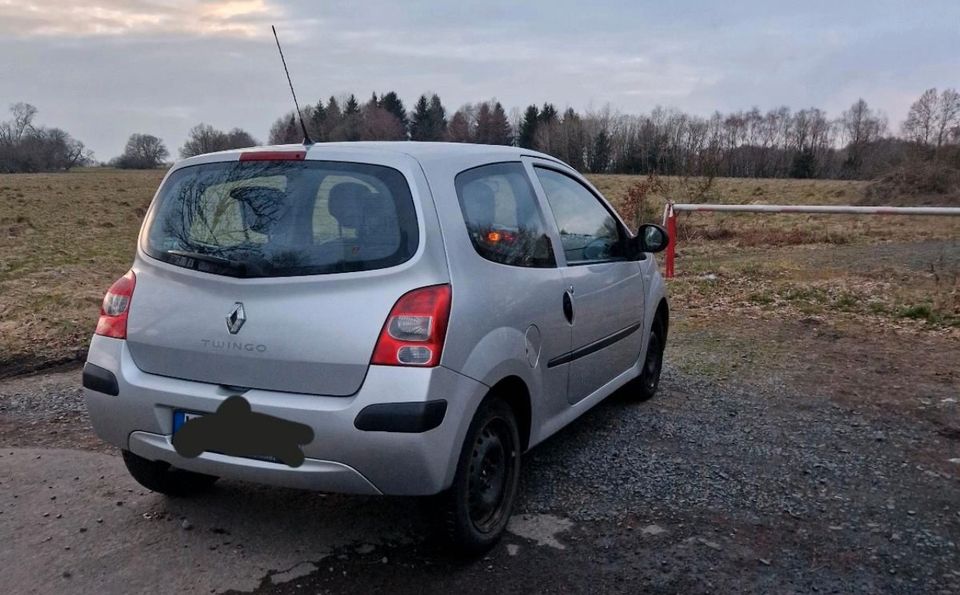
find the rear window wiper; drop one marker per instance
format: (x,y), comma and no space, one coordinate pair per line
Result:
(210,258)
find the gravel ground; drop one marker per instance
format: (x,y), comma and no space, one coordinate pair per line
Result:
(46,410)
(710,487)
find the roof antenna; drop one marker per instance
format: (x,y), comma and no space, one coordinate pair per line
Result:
(306,136)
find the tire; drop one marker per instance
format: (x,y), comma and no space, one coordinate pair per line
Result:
(646,385)
(478,505)
(159,476)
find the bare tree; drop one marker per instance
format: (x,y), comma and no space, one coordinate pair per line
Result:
(947,118)
(23,114)
(286,130)
(25,147)
(204,138)
(143,151)
(239,138)
(861,127)
(921,119)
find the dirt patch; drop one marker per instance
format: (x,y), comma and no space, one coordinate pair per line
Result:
(46,410)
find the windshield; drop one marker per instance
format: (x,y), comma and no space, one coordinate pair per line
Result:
(283,218)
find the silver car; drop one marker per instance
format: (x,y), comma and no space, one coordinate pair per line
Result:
(372,318)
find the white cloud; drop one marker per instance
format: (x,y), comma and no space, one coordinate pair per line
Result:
(86,18)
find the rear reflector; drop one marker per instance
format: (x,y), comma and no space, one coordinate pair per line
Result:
(273,156)
(116,307)
(414,331)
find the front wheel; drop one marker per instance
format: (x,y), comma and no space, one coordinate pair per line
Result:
(648,382)
(478,505)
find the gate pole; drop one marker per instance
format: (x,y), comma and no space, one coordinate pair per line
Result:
(670,219)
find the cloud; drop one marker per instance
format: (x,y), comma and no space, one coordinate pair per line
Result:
(117,18)
(103,69)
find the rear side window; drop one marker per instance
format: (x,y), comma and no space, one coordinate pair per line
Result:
(283,218)
(502,217)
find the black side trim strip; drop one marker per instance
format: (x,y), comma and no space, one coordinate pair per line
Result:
(407,418)
(100,380)
(594,347)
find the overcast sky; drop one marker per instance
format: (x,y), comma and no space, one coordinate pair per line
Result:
(104,69)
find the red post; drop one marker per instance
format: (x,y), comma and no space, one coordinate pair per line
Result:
(672,243)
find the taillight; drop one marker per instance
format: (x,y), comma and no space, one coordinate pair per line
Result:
(414,331)
(115,307)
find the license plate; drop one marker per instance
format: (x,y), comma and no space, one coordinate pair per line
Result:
(182,417)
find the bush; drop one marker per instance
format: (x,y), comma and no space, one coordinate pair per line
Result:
(931,181)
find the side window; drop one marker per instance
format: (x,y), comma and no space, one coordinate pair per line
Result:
(588,232)
(500,210)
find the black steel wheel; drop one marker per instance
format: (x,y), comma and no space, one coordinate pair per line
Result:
(646,385)
(478,505)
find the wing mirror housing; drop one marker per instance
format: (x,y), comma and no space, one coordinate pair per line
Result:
(650,238)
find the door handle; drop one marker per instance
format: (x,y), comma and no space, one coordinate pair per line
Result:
(568,306)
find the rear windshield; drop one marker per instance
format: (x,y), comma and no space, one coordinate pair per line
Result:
(283,218)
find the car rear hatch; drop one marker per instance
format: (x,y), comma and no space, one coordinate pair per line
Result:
(274,274)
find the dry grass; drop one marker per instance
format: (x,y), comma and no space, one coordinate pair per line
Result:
(65,237)
(895,271)
(744,229)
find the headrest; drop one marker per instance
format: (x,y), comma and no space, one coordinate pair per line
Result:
(480,205)
(347,203)
(259,205)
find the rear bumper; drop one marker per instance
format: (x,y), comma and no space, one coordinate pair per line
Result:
(333,476)
(341,458)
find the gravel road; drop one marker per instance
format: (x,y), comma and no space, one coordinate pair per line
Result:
(710,487)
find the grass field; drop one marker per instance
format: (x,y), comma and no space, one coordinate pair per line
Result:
(896,271)
(65,237)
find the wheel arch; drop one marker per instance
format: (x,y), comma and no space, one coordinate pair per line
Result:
(663,315)
(515,392)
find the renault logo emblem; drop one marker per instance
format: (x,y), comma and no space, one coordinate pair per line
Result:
(236,318)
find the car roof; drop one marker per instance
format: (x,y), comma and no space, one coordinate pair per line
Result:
(421,151)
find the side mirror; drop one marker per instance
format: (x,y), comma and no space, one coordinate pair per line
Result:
(651,238)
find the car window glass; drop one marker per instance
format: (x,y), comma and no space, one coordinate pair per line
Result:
(503,220)
(283,218)
(588,232)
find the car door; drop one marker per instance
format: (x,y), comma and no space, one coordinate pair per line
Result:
(509,278)
(604,289)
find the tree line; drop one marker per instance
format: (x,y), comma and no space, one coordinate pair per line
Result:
(145,151)
(29,147)
(386,118)
(808,143)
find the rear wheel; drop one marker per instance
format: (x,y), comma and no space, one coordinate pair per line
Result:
(160,477)
(478,505)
